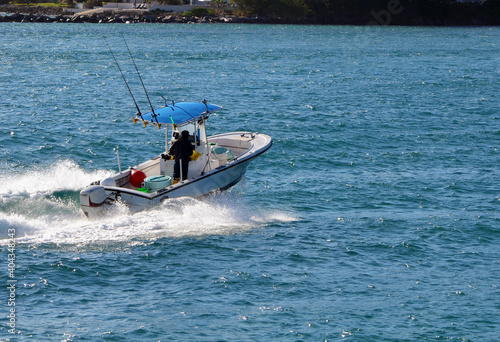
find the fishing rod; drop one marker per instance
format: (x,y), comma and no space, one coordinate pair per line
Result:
(153,114)
(128,87)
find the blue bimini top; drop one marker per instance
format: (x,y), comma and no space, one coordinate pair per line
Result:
(180,113)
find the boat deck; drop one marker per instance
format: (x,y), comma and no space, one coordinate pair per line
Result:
(238,143)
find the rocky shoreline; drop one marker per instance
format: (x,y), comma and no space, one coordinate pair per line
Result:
(14,13)
(33,14)
(59,14)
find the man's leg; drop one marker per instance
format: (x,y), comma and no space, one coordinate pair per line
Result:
(185,165)
(176,170)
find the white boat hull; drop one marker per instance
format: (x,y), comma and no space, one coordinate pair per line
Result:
(95,199)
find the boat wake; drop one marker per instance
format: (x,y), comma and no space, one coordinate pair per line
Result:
(47,211)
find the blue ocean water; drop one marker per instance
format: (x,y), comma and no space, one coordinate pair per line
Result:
(375,216)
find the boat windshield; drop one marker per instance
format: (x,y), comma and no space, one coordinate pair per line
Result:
(191,128)
(194,129)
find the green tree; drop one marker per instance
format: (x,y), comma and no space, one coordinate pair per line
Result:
(69,3)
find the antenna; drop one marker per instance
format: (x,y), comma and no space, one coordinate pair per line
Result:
(128,87)
(153,114)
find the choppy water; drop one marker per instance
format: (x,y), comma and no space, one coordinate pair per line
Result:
(374,217)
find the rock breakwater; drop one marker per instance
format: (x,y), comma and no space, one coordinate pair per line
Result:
(59,14)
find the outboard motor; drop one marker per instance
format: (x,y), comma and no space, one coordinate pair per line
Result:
(91,197)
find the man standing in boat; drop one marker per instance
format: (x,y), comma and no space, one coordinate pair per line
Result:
(182,150)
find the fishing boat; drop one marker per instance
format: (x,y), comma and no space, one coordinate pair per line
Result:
(217,163)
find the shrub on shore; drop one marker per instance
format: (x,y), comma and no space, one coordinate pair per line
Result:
(199,12)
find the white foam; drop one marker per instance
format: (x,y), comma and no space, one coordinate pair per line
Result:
(28,205)
(184,217)
(64,175)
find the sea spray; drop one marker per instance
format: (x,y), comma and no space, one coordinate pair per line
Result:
(41,214)
(63,175)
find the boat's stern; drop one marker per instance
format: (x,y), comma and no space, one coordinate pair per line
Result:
(92,199)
